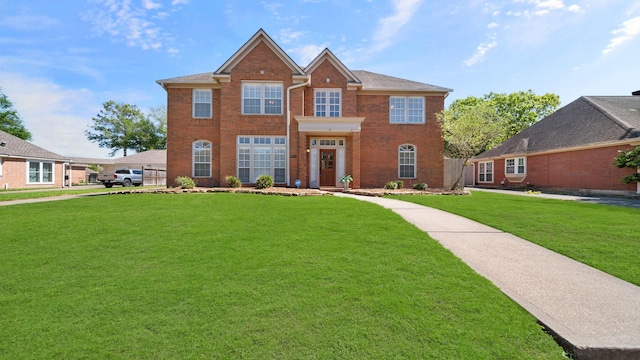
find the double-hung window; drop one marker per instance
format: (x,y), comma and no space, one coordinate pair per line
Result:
(261,155)
(201,159)
(327,102)
(202,103)
(40,172)
(406,161)
(485,171)
(261,98)
(406,110)
(515,166)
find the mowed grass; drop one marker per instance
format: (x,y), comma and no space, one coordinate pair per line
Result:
(240,276)
(603,236)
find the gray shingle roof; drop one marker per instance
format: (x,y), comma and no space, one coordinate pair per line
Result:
(203,78)
(589,120)
(373,81)
(145,157)
(16,147)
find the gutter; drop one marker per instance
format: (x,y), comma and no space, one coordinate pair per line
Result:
(287,148)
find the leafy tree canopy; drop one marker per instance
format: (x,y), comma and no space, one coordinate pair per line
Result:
(468,128)
(121,126)
(10,120)
(518,110)
(629,159)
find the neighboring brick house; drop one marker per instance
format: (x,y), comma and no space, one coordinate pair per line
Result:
(261,113)
(24,165)
(571,150)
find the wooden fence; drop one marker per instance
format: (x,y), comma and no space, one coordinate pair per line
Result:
(154,177)
(452,169)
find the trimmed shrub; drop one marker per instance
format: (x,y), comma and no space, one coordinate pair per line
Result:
(233,181)
(400,184)
(185,182)
(391,185)
(420,186)
(264,182)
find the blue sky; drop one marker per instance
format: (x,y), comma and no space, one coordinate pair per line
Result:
(60,60)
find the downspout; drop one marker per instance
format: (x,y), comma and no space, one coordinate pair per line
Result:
(287,151)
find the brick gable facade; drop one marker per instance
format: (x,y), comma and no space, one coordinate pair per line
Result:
(296,143)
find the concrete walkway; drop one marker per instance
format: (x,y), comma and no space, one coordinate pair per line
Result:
(595,315)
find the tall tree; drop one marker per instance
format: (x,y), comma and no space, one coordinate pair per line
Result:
(10,120)
(522,109)
(121,126)
(158,117)
(467,129)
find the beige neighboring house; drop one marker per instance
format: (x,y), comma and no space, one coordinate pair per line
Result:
(25,165)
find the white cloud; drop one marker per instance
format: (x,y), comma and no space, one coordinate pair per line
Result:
(150,5)
(627,31)
(391,25)
(493,25)
(123,21)
(286,36)
(179,2)
(574,8)
(550,4)
(481,52)
(305,54)
(56,116)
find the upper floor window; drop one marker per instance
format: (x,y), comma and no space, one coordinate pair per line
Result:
(201,159)
(406,110)
(485,171)
(406,161)
(40,172)
(516,166)
(327,102)
(261,98)
(201,103)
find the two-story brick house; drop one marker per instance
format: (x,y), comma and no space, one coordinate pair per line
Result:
(261,113)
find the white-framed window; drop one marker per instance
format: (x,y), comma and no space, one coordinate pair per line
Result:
(40,172)
(202,103)
(485,171)
(406,110)
(261,155)
(328,102)
(406,161)
(261,98)
(1,166)
(201,159)
(515,166)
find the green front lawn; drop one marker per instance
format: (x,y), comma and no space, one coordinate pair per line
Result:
(602,236)
(152,276)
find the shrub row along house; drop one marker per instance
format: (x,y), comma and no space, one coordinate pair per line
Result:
(572,149)
(261,113)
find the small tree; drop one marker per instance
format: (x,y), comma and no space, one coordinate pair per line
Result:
(10,121)
(629,159)
(468,129)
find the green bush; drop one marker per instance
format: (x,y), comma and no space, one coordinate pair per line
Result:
(391,185)
(185,182)
(264,182)
(420,186)
(233,181)
(400,184)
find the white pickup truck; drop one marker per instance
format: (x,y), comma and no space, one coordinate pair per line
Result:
(124,177)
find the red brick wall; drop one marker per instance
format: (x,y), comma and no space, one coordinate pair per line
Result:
(380,141)
(589,169)
(372,156)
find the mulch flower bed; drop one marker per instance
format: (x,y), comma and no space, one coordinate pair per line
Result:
(283,191)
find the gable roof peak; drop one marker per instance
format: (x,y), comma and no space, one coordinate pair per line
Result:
(326,54)
(260,36)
